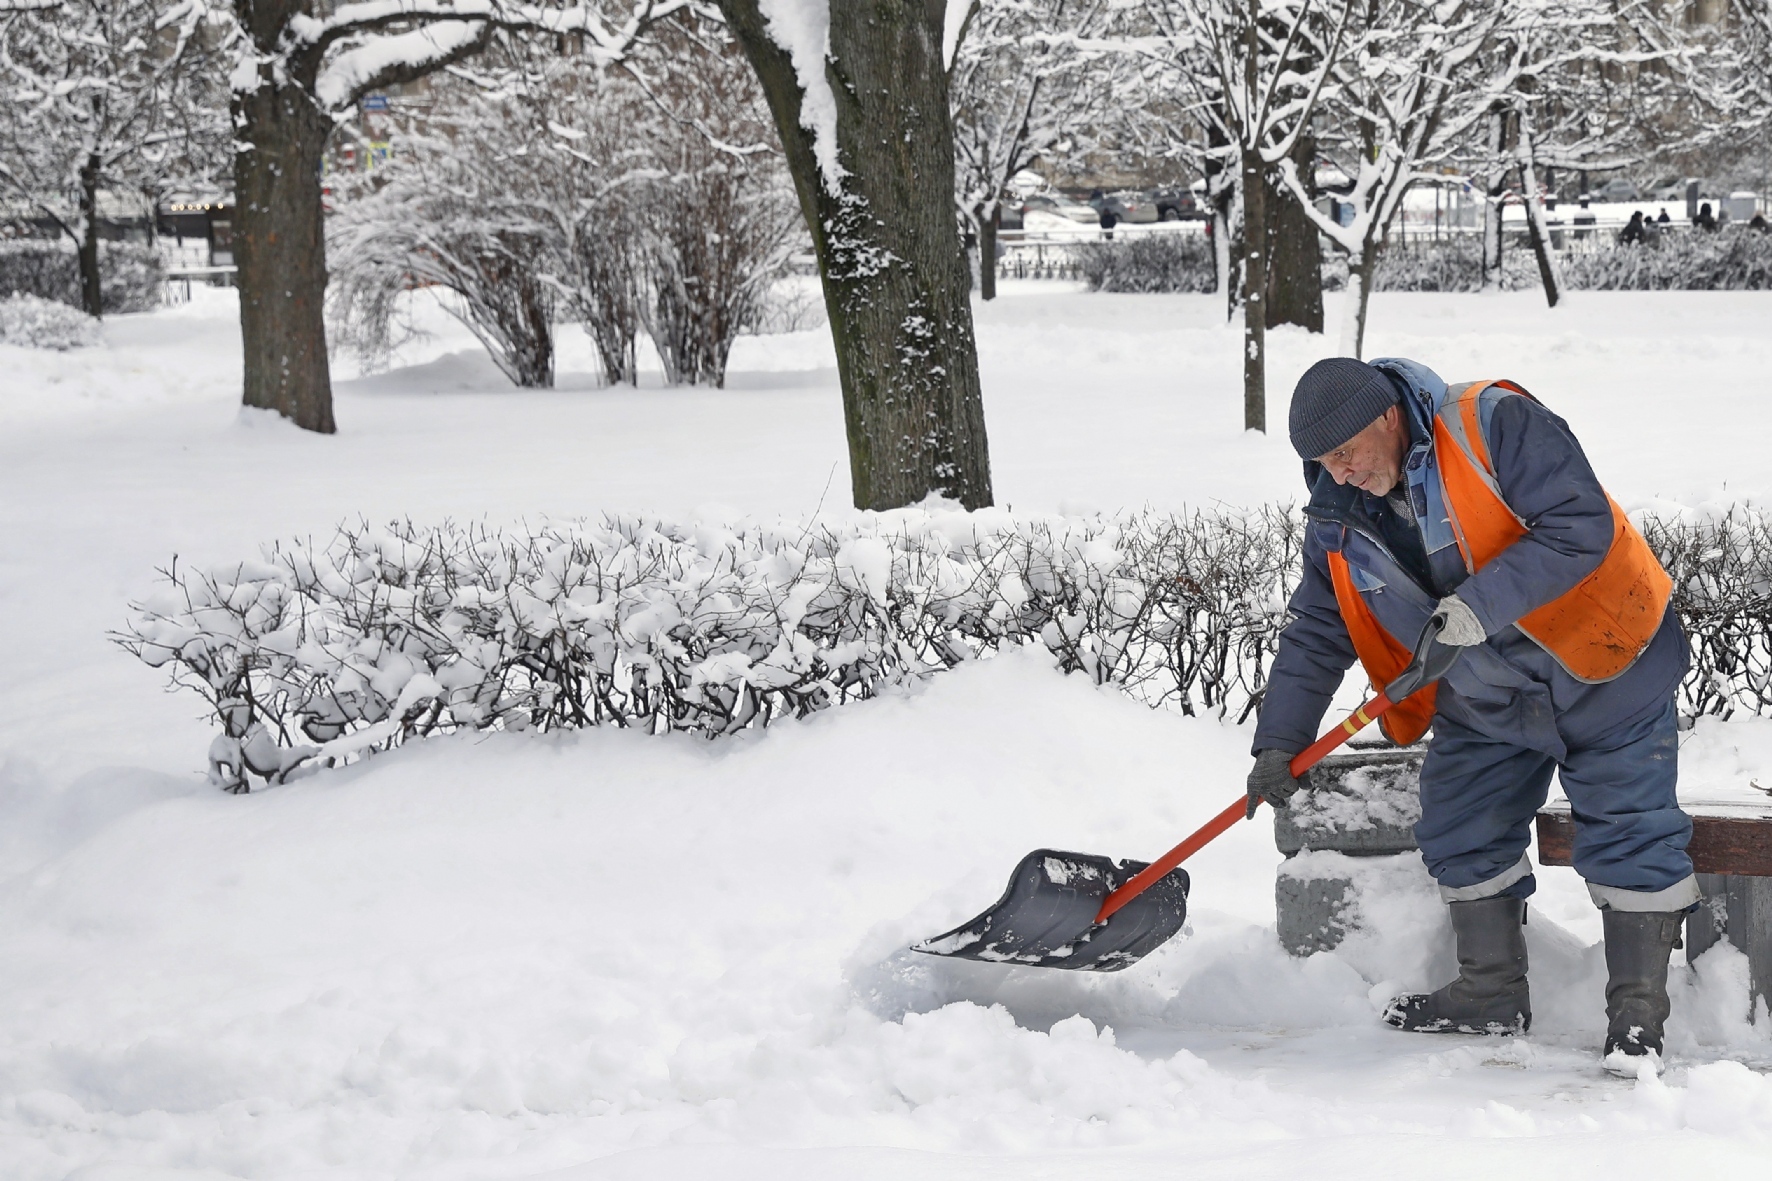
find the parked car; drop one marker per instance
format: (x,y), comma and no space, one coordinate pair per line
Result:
(1133,207)
(1616,190)
(1176,205)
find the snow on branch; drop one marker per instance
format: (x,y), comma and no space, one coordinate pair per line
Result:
(383,61)
(359,47)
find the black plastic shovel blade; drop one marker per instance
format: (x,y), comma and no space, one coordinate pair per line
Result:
(1046,918)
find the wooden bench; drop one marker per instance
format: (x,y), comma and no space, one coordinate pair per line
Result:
(1732,853)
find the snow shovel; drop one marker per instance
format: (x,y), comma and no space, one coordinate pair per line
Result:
(1083,912)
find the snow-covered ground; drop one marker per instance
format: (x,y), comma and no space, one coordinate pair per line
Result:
(597,955)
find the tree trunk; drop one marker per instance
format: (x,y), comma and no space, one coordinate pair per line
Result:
(1254,284)
(1492,196)
(987,254)
(1359,298)
(280,248)
(1221,196)
(895,279)
(1295,253)
(1535,227)
(91,282)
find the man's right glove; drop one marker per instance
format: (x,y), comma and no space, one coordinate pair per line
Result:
(1271,780)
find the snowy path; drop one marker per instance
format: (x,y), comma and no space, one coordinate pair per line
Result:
(442,964)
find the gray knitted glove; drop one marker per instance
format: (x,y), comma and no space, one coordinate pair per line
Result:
(1271,780)
(1461,628)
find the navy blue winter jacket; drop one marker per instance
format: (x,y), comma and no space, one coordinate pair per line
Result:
(1507,688)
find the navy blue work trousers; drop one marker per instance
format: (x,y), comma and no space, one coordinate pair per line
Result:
(1478,798)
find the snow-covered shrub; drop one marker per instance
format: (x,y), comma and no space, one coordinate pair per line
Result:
(457,211)
(131,274)
(1447,264)
(616,199)
(1147,263)
(716,225)
(1734,259)
(35,323)
(314,655)
(1722,574)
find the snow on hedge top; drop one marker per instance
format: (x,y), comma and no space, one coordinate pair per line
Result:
(803,29)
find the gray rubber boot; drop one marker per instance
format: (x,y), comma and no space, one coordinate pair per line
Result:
(1490,994)
(1638,944)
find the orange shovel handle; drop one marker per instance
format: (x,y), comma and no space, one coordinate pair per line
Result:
(1302,762)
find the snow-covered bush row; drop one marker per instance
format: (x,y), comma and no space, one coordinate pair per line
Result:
(35,323)
(314,654)
(1149,263)
(1735,259)
(1453,264)
(49,269)
(1732,260)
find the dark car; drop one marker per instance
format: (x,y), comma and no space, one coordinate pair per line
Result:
(1175,204)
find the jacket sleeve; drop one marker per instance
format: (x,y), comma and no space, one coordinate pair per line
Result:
(1315,652)
(1546,480)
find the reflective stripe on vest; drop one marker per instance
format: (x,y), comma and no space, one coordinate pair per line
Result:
(1595,630)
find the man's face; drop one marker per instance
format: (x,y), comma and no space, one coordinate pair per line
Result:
(1373,459)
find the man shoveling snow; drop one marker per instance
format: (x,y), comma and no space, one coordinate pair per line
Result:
(1475,505)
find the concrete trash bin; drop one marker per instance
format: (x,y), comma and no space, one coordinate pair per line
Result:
(1360,802)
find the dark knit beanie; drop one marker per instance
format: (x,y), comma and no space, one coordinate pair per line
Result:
(1334,401)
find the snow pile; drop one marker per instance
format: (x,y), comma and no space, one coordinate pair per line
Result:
(35,323)
(390,634)
(1386,795)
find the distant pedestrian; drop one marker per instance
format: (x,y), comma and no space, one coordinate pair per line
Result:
(1664,219)
(1633,232)
(1108,220)
(1757,223)
(1705,220)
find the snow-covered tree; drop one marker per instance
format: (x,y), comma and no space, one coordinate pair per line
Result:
(538,186)
(1025,86)
(113,94)
(304,64)
(1588,86)
(1407,91)
(859,94)
(1253,73)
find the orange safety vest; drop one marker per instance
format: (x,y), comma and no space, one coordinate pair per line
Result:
(1595,630)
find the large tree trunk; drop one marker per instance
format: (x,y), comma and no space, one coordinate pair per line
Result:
(279,242)
(1295,253)
(1254,284)
(987,254)
(895,278)
(91,282)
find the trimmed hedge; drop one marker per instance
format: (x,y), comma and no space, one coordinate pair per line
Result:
(315,655)
(130,274)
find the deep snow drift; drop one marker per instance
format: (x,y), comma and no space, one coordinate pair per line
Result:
(599,955)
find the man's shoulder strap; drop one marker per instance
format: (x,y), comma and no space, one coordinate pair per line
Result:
(1465,412)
